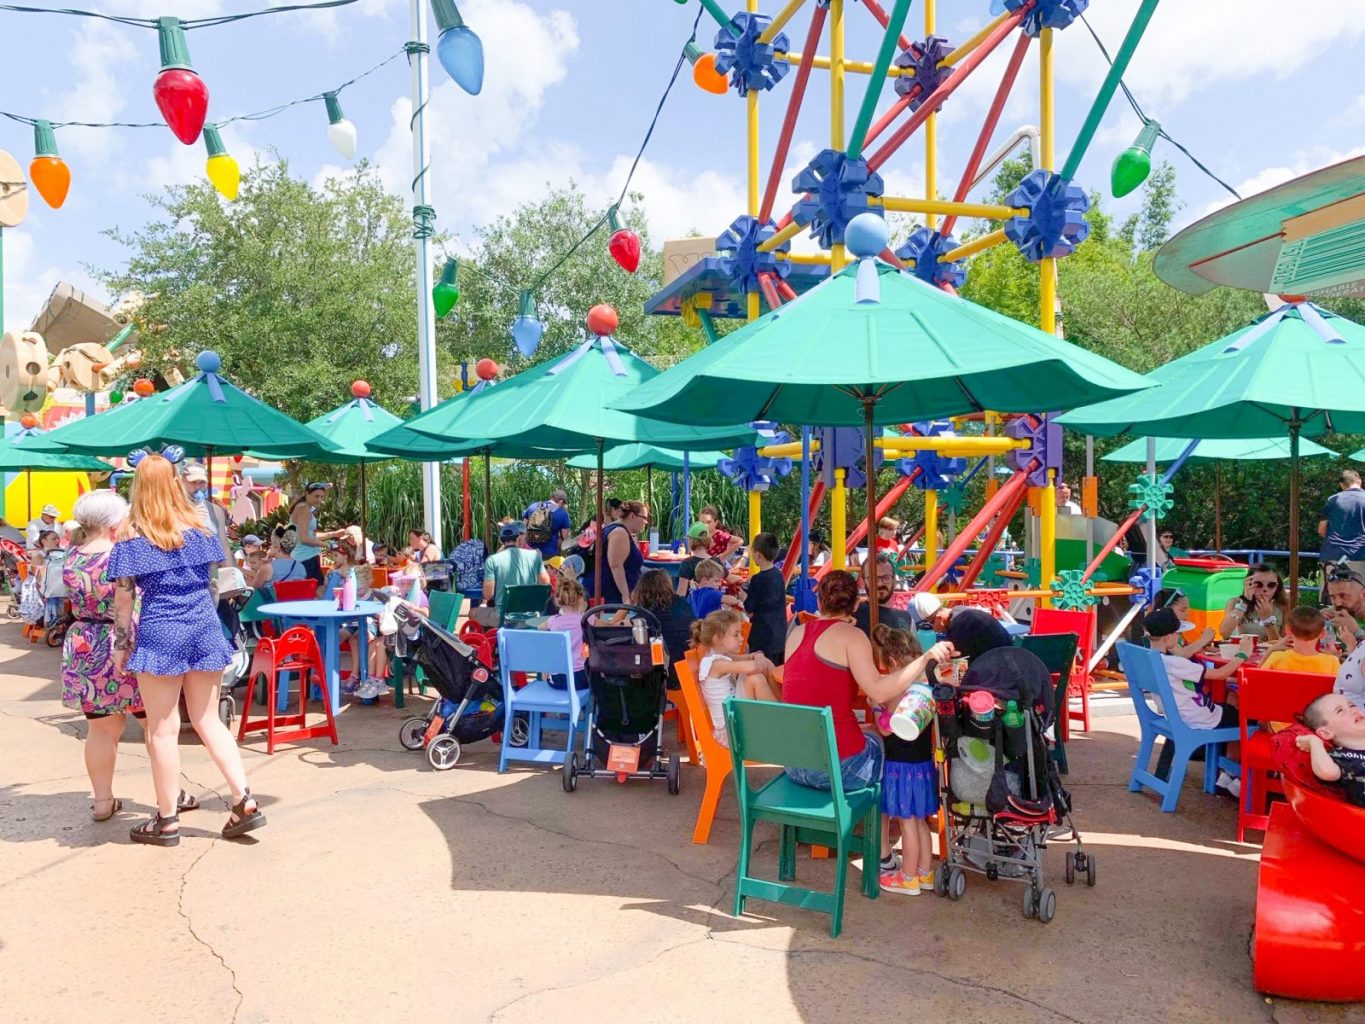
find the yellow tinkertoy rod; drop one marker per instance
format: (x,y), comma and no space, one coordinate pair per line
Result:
(989,211)
(951,447)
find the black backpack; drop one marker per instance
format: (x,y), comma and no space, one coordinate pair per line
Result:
(540,525)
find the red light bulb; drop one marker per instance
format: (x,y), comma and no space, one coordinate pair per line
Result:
(625,249)
(180,94)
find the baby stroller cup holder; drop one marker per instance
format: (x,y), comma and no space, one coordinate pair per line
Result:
(461,681)
(627,679)
(1022,804)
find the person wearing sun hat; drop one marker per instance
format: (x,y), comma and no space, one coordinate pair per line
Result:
(46,522)
(698,546)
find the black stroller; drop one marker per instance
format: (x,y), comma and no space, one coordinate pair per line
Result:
(628,681)
(470,708)
(1001,792)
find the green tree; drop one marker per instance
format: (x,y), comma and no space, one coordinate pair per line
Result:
(301,290)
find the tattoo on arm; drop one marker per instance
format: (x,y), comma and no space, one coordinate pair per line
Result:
(122,640)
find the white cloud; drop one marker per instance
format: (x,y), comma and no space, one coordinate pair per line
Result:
(28,282)
(182,164)
(100,59)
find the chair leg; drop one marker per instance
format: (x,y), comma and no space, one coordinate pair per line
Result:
(1085,704)
(836,923)
(397,679)
(270,709)
(1180,764)
(872,851)
(246,708)
(746,837)
(786,855)
(331,716)
(1211,753)
(710,801)
(506,743)
(1143,759)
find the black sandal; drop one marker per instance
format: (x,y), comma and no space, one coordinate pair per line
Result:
(154,832)
(115,805)
(241,821)
(184,802)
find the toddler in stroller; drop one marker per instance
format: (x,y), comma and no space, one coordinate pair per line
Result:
(470,706)
(1002,790)
(627,678)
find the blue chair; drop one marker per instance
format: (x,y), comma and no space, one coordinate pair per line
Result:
(1147,677)
(544,653)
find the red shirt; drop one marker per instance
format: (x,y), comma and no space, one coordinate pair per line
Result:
(809,679)
(720,540)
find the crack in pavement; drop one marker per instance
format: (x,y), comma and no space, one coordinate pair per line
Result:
(189,925)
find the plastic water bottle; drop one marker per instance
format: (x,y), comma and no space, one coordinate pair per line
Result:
(1014,718)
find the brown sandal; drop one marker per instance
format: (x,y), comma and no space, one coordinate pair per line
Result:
(115,805)
(243,821)
(186,802)
(154,832)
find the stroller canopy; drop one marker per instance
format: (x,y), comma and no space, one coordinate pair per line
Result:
(974,632)
(1012,673)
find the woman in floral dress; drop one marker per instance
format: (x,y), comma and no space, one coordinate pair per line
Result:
(90,683)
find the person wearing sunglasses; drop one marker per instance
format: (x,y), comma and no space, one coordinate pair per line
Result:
(1260,610)
(1346,591)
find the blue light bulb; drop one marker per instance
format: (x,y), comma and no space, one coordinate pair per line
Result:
(526,332)
(461,54)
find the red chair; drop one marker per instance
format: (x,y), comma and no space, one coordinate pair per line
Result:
(295,652)
(1049,621)
(1268,695)
(471,632)
(296,590)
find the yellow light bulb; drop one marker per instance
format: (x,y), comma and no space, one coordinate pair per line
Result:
(225,175)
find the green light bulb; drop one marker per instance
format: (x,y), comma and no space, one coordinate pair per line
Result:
(447,290)
(1132,166)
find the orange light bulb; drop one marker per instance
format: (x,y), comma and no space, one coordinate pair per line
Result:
(48,171)
(706,76)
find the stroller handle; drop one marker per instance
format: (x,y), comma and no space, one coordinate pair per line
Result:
(629,609)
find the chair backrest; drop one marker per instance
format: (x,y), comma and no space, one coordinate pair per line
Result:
(697,712)
(536,651)
(1058,620)
(258,597)
(1055,650)
(379,577)
(1272,695)
(792,735)
(1146,675)
(295,646)
(295,590)
(525,600)
(445,609)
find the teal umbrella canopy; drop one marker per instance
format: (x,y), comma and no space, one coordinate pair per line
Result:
(348,429)
(18,456)
(918,351)
(566,404)
(1299,366)
(641,456)
(205,416)
(1168,449)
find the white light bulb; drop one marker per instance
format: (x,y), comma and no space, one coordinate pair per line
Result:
(342,135)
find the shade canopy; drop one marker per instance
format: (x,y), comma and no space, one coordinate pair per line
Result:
(1298,365)
(349,429)
(1168,449)
(566,405)
(17,456)
(919,351)
(640,456)
(204,416)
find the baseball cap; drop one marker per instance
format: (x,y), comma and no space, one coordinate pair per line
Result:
(51,510)
(252,539)
(194,471)
(1162,622)
(699,530)
(558,495)
(511,531)
(317,485)
(924,607)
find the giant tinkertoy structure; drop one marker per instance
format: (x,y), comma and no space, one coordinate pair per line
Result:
(754,268)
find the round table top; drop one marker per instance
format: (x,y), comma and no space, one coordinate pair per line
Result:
(323,609)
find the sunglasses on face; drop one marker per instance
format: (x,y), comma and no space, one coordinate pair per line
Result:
(1265,584)
(1176,595)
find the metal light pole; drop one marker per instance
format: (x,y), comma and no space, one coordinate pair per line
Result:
(422,224)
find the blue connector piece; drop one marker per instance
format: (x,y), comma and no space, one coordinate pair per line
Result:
(740,258)
(924,58)
(1047,14)
(749,63)
(1055,223)
(839,190)
(920,255)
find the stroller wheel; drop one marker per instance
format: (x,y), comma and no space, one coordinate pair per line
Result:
(227,710)
(520,733)
(412,733)
(1047,905)
(569,777)
(1091,870)
(12,609)
(444,753)
(56,634)
(674,775)
(941,880)
(1071,865)
(1030,901)
(957,883)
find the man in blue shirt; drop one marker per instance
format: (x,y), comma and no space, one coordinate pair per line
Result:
(1342,527)
(548,525)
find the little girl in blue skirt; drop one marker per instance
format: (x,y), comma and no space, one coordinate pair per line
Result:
(909,785)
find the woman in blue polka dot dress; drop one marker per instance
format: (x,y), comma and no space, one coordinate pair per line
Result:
(165,555)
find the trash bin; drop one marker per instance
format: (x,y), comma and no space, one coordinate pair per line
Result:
(1209,583)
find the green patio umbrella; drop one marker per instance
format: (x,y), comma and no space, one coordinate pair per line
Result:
(648,458)
(1168,449)
(17,457)
(205,416)
(875,345)
(1297,372)
(566,405)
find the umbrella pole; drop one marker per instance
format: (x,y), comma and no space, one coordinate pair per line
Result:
(600,548)
(1217,509)
(1294,427)
(649,489)
(488,500)
(364,559)
(870,470)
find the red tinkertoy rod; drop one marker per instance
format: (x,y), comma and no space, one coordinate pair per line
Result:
(784,139)
(993,505)
(793,560)
(892,112)
(1112,543)
(988,543)
(765,282)
(946,89)
(987,129)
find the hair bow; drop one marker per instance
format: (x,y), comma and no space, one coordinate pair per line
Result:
(172,453)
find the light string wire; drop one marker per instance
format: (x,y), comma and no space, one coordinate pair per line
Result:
(186,23)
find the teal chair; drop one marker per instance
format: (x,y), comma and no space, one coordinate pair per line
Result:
(797,736)
(523,602)
(445,611)
(1057,651)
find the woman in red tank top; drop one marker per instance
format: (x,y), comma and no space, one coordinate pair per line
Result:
(828,661)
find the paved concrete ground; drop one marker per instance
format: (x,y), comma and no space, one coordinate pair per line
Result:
(384,891)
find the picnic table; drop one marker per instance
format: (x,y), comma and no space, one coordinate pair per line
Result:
(326,620)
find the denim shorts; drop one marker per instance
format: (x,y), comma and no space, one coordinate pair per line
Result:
(858,770)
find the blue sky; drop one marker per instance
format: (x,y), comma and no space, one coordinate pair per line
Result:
(572,84)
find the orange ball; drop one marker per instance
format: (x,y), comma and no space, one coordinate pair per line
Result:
(486,369)
(142,387)
(360,389)
(28,421)
(603,320)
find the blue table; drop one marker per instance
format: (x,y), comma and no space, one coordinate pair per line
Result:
(326,620)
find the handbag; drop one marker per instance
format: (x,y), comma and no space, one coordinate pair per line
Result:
(388,618)
(231,582)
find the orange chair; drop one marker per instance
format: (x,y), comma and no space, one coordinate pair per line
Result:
(294,652)
(1047,621)
(1268,695)
(296,590)
(714,757)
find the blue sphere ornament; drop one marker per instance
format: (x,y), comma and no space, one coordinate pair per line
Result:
(208,361)
(461,54)
(866,235)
